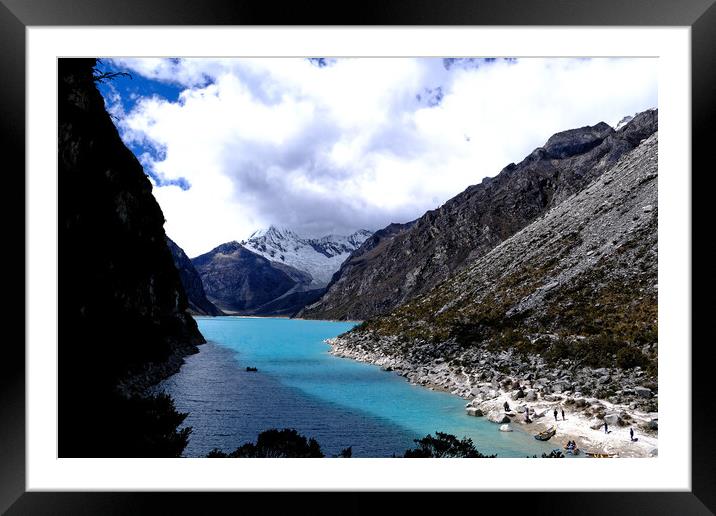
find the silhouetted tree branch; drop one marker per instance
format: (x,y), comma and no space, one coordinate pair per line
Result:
(100,76)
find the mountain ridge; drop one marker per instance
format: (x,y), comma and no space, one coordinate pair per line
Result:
(441,242)
(255,276)
(238,280)
(568,304)
(320,257)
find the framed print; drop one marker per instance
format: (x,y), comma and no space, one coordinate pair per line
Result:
(433,234)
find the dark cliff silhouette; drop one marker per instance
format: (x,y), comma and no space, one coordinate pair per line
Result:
(123,320)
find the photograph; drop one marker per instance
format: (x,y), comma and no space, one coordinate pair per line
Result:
(272,254)
(354,257)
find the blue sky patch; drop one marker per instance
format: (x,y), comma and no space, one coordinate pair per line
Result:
(127,91)
(133,88)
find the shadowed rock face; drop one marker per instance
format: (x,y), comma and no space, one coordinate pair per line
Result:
(190,279)
(288,304)
(240,281)
(123,320)
(576,141)
(357,267)
(410,261)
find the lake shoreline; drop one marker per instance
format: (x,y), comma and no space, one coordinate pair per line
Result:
(283,317)
(300,384)
(586,431)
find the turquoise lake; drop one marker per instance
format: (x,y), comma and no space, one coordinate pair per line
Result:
(339,402)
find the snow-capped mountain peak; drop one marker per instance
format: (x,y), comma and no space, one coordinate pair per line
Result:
(624,121)
(319,257)
(274,233)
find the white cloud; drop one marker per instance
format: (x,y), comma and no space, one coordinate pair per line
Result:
(347,146)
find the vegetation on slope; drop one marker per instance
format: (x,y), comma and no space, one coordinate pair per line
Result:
(578,284)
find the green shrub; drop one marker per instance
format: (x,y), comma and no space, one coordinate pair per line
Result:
(147,426)
(554,454)
(444,446)
(277,444)
(558,350)
(601,350)
(468,334)
(628,358)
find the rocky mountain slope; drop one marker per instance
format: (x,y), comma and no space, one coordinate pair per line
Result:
(319,257)
(123,320)
(242,282)
(191,281)
(288,304)
(411,261)
(567,306)
(353,275)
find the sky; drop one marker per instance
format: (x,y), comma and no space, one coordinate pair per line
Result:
(330,146)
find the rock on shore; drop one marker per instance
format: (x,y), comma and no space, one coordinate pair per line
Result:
(585,414)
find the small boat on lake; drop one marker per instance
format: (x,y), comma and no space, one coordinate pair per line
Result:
(251,369)
(547,434)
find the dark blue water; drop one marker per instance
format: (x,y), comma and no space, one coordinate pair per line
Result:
(339,402)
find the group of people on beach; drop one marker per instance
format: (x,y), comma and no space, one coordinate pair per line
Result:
(556,413)
(631,431)
(527,413)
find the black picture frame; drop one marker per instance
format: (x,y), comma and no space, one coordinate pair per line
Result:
(699,15)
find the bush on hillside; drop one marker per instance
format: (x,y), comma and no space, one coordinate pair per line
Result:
(444,446)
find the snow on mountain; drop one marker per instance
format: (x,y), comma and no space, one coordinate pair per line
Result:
(319,257)
(624,121)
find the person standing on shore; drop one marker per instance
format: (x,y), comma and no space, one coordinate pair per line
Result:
(631,434)
(562,413)
(555,414)
(507,407)
(605,427)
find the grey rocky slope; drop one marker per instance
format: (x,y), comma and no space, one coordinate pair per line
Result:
(566,305)
(240,281)
(191,281)
(353,271)
(443,241)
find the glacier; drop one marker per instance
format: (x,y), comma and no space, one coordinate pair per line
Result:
(320,257)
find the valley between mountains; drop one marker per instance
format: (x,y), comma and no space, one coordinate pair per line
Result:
(532,295)
(537,287)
